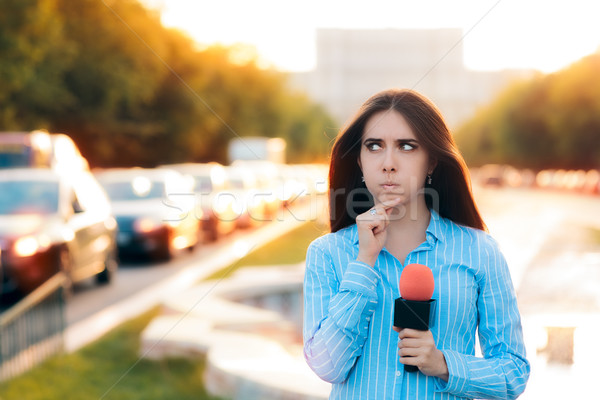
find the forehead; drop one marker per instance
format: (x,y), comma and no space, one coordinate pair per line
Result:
(389,125)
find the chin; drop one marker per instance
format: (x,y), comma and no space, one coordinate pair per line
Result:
(383,197)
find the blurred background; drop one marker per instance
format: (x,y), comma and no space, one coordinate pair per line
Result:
(144,140)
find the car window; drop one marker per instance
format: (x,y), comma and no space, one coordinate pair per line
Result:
(28,197)
(25,150)
(13,155)
(136,189)
(75,203)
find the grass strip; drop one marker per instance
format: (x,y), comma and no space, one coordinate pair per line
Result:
(287,249)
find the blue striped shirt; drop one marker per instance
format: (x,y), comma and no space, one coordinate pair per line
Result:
(348,312)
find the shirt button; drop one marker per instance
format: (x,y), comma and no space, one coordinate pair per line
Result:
(368,318)
(373,287)
(398,373)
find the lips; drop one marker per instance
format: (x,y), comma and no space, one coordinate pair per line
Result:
(390,186)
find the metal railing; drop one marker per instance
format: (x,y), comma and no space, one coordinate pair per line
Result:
(32,329)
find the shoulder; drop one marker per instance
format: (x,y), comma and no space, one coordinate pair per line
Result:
(455,231)
(474,243)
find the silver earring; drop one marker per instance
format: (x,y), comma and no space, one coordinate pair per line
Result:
(429,179)
(362,178)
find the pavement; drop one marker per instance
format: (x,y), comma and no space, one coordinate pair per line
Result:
(249,329)
(552,244)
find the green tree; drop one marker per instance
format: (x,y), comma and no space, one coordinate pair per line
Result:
(33,56)
(132,92)
(550,121)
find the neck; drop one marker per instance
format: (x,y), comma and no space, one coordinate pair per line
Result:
(413,218)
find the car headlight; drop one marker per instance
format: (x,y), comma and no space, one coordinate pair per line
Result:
(146,224)
(29,245)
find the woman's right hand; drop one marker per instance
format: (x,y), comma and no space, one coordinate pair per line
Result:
(372,226)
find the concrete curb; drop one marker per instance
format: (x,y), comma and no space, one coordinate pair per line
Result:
(246,358)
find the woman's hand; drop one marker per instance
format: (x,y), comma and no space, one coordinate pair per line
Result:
(418,348)
(372,233)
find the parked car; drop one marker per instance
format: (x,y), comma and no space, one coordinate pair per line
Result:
(25,149)
(249,202)
(52,222)
(40,149)
(215,209)
(65,154)
(154,211)
(267,188)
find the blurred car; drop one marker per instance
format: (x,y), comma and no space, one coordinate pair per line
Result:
(65,154)
(217,210)
(491,175)
(244,192)
(154,211)
(51,222)
(267,188)
(40,149)
(25,149)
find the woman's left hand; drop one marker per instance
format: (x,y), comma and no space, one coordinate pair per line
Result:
(418,348)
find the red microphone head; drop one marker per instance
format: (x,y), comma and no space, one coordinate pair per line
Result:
(416,283)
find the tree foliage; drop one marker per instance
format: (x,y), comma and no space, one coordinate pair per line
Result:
(550,121)
(132,92)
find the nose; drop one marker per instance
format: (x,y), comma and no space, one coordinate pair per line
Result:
(389,164)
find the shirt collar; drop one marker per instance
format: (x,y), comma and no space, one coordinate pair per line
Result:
(434,232)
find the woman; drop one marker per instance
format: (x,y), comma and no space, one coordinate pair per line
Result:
(400,194)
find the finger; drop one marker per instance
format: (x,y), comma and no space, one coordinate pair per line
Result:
(408,352)
(409,343)
(387,206)
(391,203)
(410,333)
(409,360)
(384,207)
(397,328)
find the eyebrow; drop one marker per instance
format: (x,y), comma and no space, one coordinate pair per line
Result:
(377,140)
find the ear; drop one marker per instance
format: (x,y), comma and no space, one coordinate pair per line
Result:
(359,164)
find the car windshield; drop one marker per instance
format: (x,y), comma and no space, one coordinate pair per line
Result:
(28,197)
(137,189)
(12,156)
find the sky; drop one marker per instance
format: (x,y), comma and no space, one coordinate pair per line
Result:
(546,35)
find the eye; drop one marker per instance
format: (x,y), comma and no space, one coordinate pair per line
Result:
(373,146)
(407,146)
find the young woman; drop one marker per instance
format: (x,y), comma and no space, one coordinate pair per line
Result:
(400,194)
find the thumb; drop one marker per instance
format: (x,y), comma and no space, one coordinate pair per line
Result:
(388,206)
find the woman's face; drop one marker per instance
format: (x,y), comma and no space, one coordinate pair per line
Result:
(393,162)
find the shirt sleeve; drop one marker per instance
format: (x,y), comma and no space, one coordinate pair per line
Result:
(336,313)
(503,371)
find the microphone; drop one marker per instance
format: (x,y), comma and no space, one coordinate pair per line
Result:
(415,308)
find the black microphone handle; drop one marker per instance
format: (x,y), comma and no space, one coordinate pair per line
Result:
(414,315)
(410,368)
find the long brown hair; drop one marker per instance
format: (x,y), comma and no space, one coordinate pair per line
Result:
(450,191)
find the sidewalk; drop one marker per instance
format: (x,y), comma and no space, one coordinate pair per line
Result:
(248,327)
(559,300)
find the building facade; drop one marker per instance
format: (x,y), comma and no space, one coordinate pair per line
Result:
(354,64)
